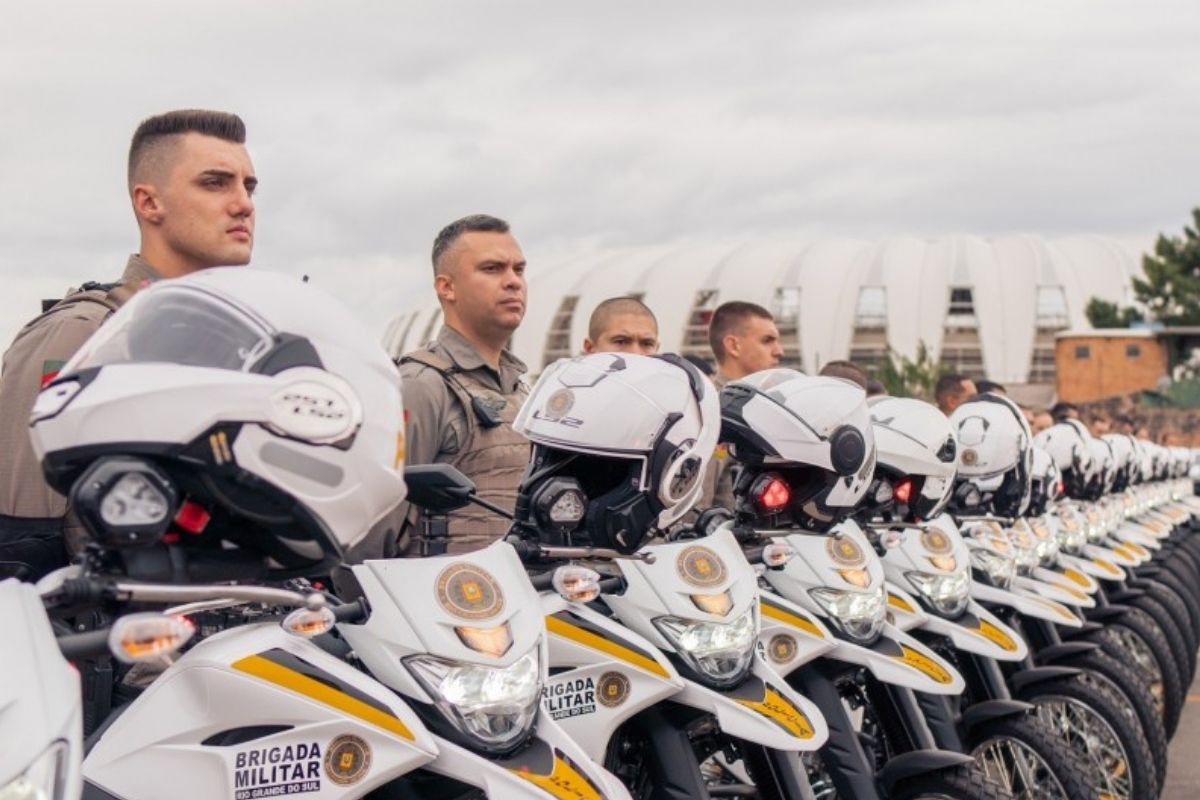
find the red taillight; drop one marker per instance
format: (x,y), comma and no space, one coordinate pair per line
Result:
(192,517)
(902,491)
(771,493)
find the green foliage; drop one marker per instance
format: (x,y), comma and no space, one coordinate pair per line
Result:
(903,377)
(1103,314)
(1171,289)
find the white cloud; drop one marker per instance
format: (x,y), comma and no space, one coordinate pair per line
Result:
(371,124)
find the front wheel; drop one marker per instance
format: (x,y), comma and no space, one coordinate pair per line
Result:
(1092,721)
(1023,756)
(959,783)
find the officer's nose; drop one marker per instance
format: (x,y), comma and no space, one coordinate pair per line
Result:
(242,204)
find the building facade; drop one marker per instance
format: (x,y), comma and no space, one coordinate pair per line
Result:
(986,307)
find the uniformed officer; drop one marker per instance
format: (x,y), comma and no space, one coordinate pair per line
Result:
(191,184)
(462,391)
(622,325)
(744,340)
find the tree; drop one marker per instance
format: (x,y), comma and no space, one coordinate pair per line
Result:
(903,377)
(1171,289)
(1103,314)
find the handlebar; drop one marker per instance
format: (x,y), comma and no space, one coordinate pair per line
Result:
(90,644)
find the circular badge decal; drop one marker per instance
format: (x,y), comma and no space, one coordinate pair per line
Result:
(936,542)
(844,551)
(612,689)
(468,591)
(781,648)
(347,760)
(969,457)
(700,566)
(559,403)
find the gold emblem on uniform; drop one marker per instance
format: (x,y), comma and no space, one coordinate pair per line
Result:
(936,542)
(347,760)
(969,457)
(612,689)
(782,648)
(558,404)
(468,591)
(844,551)
(700,566)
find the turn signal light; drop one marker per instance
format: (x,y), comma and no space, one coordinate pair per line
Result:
(309,622)
(148,637)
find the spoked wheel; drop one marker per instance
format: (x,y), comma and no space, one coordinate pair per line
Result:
(1090,734)
(1024,757)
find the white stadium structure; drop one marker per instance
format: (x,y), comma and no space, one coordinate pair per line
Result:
(983,306)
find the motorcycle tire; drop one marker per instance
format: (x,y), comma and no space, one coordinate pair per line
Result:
(1058,771)
(1170,629)
(1131,686)
(1134,765)
(960,783)
(1137,623)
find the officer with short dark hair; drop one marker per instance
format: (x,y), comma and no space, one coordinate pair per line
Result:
(462,391)
(191,184)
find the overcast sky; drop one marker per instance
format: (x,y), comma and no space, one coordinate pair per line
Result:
(372,124)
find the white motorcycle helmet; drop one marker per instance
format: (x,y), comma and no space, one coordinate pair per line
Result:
(806,447)
(915,457)
(1104,467)
(620,446)
(994,456)
(241,418)
(1067,444)
(1045,482)
(1122,449)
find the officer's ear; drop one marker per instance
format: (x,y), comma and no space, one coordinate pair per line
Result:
(147,205)
(443,285)
(588,346)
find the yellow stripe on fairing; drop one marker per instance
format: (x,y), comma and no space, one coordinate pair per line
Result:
(313,689)
(586,638)
(788,618)
(779,710)
(564,782)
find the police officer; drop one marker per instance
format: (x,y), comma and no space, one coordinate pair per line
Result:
(622,325)
(191,184)
(744,340)
(462,391)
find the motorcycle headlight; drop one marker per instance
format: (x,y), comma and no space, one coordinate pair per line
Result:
(1071,535)
(859,615)
(718,652)
(494,707)
(947,594)
(998,569)
(44,779)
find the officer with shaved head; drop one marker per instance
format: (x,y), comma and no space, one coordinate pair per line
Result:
(462,390)
(622,325)
(191,185)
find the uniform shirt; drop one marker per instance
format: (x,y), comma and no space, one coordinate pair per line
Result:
(721,472)
(34,358)
(436,423)
(438,429)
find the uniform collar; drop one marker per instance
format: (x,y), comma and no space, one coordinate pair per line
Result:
(138,271)
(467,358)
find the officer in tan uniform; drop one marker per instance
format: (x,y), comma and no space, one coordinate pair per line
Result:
(190,183)
(622,325)
(462,391)
(744,340)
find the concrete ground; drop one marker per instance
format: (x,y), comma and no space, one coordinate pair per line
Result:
(1183,759)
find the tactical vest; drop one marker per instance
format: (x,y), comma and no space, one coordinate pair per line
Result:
(494,458)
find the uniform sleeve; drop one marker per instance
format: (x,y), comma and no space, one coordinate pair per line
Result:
(35,357)
(426,400)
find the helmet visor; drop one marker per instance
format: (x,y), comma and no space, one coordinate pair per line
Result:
(179,325)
